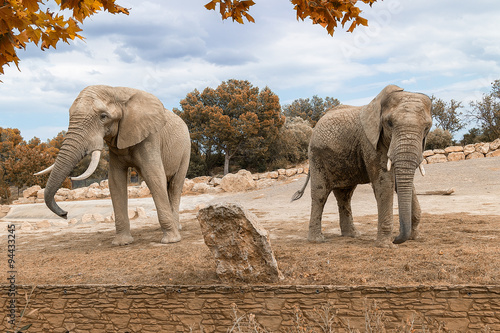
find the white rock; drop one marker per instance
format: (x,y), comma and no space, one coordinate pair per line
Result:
(31,191)
(240,181)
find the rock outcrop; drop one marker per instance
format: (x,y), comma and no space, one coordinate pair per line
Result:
(240,245)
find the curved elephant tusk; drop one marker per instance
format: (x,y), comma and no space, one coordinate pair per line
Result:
(96,155)
(422,170)
(389,164)
(43,172)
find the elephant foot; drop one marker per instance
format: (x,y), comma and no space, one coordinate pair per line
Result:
(415,235)
(316,238)
(171,236)
(385,243)
(351,233)
(123,239)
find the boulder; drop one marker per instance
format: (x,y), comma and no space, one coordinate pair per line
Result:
(273,175)
(469,149)
(482,148)
(94,185)
(93,192)
(104,183)
(306,169)
(39,194)
(200,187)
(438,158)
(439,151)
(456,156)
(290,172)
(474,155)
(495,144)
(238,182)
(31,191)
(188,185)
(454,149)
(281,172)
(428,153)
(240,245)
(493,153)
(202,179)
(300,170)
(141,212)
(143,191)
(262,183)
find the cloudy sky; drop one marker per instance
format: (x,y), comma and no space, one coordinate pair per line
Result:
(447,48)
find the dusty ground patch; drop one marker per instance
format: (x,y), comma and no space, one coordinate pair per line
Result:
(460,240)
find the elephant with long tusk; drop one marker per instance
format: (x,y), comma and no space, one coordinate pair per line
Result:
(140,133)
(380,143)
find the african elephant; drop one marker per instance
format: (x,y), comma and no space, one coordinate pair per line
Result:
(140,133)
(380,143)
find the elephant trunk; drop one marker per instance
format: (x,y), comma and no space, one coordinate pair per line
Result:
(71,152)
(407,157)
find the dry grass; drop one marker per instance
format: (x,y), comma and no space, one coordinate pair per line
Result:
(454,249)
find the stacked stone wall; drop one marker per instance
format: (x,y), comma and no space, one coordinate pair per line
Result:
(61,309)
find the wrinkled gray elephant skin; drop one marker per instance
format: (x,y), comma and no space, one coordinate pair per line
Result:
(140,133)
(380,143)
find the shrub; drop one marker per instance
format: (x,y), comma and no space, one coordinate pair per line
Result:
(439,139)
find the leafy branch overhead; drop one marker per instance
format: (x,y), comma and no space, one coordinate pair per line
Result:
(31,21)
(327,13)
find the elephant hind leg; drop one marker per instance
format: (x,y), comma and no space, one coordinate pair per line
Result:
(319,196)
(343,196)
(174,189)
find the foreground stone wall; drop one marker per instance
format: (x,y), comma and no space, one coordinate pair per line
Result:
(184,308)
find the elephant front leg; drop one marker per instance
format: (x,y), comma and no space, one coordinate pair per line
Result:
(343,196)
(119,198)
(383,188)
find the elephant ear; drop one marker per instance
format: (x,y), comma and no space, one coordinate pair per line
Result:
(143,115)
(371,115)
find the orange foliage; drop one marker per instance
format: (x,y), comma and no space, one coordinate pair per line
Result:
(25,21)
(327,13)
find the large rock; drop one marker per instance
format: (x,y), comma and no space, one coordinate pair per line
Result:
(493,153)
(428,153)
(240,245)
(31,192)
(187,186)
(469,149)
(456,156)
(454,149)
(238,182)
(438,158)
(474,155)
(495,144)
(200,188)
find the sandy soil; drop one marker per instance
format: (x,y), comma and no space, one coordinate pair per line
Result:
(459,244)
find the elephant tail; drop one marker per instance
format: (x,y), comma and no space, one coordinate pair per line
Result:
(300,192)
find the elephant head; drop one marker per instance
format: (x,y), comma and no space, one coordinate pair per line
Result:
(122,117)
(397,123)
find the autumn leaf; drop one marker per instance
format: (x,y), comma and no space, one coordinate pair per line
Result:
(25,21)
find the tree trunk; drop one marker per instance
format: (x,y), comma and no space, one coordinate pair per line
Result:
(227,157)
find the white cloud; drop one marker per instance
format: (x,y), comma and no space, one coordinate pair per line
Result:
(447,48)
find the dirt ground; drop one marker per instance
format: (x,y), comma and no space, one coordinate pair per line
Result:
(460,238)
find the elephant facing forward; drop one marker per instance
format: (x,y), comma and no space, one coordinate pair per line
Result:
(140,133)
(380,143)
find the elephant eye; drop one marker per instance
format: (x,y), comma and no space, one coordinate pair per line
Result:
(103,116)
(389,123)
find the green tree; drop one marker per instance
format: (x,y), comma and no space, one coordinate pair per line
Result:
(233,118)
(487,112)
(446,115)
(292,145)
(310,109)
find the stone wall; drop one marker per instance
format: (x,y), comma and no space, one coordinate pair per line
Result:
(458,153)
(145,309)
